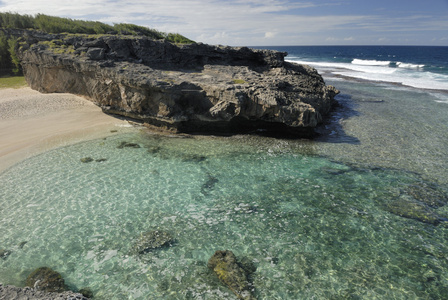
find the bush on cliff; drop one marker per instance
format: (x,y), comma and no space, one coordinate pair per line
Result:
(50,24)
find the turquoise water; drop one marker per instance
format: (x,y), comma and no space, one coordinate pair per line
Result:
(315,228)
(321,219)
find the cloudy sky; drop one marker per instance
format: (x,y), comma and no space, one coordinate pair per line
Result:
(266,22)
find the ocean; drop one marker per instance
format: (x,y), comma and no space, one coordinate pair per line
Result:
(357,213)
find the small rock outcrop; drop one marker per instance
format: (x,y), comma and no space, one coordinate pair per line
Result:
(413,209)
(9,292)
(225,265)
(47,280)
(187,88)
(148,241)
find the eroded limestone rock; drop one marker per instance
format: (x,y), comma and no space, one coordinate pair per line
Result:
(188,88)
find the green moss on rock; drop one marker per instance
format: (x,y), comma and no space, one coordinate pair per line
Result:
(47,280)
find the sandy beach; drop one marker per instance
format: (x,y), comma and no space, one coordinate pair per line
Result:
(32,123)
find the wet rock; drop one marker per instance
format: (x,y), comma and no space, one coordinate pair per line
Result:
(101,159)
(128,145)
(4,253)
(86,292)
(47,280)
(428,194)
(209,184)
(248,265)
(412,209)
(148,241)
(22,244)
(9,292)
(226,267)
(86,159)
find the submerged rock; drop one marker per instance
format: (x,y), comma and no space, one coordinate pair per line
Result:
(412,209)
(428,194)
(226,267)
(86,159)
(128,145)
(47,280)
(209,184)
(148,241)
(4,253)
(86,292)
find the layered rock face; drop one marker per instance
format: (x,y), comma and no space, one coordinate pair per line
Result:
(190,88)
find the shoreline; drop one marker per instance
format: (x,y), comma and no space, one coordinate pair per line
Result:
(32,123)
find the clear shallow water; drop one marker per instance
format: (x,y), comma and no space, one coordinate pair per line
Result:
(314,227)
(312,215)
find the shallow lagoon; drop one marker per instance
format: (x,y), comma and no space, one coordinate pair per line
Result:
(312,216)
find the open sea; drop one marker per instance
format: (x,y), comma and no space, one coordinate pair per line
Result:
(357,213)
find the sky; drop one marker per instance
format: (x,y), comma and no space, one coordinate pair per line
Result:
(265,22)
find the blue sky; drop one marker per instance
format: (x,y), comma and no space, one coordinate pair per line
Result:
(266,22)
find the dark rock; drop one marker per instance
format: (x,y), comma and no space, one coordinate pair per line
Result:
(189,88)
(428,194)
(226,267)
(248,265)
(86,292)
(47,280)
(412,209)
(95,53)
(22,244)
(128,145)
(4,253)
(9,292)
(86,159)
(148,241)
(209,184)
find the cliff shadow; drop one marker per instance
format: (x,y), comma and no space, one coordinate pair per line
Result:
(331,130)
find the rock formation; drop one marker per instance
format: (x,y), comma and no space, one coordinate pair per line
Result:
(150,240)
(47,280)
(189,88)
(230,272)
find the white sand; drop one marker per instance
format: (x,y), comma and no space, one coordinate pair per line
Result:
(32,123)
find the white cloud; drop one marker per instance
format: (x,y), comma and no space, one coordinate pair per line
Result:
(233,22)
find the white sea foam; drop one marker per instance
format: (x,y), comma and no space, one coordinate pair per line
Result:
(408,66)
(367,62)
(407,75)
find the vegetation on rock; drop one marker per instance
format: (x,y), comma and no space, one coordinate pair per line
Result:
(230,272)
(46,279)
(50,24)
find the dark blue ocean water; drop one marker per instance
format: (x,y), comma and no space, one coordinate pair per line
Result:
(415,66)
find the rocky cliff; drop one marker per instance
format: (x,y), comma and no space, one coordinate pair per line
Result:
(190,88)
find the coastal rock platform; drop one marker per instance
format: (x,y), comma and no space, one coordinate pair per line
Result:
(192,88)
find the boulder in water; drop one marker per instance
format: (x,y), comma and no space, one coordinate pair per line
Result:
(226,267)
(148,241)
(47,280)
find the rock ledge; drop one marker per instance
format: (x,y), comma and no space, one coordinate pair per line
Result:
(189,88)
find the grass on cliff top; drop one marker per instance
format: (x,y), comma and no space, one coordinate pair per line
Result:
(14,82)
(51,24)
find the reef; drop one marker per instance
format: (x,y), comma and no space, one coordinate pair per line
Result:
(192,88)
(230,272)
(150,240)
